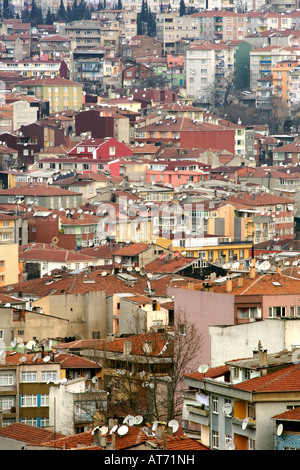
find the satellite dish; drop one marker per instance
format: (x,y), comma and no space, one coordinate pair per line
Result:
(64,380)
(114,429)
(154,426)
(30,344)
(137,269)
(19,340)
(230,446)
(94,379)
(173,424)
(235,265)
(23,359)
(244,424)
(226,266)
(138,419)
(203,368)
(149,275)
(129,419)
(227,409)
(104,273)
(123,430)
(265,265)
(118,259)
(279,429)
(103,430)
(13,343)
(46,359)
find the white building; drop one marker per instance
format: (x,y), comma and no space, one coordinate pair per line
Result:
(209,70)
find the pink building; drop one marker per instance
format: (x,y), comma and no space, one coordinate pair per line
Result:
(177,173)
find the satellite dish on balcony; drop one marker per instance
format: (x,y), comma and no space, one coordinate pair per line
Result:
(230,446)
(244,424)
(279,429)
(94,379)
(227,409)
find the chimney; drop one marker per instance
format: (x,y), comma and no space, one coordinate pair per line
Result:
(208,286)
(113,441)
(127,347)
(263,357)
(278,268)
(190,285)
(96,436)
(240,281)
(252,268)
(228,284)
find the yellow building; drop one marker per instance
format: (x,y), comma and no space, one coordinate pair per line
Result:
(240,225)
(280,84)
(213,249)
(61,93)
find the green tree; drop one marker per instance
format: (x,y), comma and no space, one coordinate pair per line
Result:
(182,9)
(50,17)
(61,14)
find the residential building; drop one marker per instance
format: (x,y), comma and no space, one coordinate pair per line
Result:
(25,388)
(40,259)
(264,59)
(209,67)
(79,403)
(42,195)
(61,93)
(176,173)
(221,25)
(234,409)
(35,68)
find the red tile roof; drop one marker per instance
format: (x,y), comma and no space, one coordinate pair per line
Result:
(73,361)
(94,282)
(131,250)
(282,380)
(28,434)
(36,189)
(158,341)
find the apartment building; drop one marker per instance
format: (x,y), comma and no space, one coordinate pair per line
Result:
(61,93)
(35,68)
(264,59)
(209,68)
(221,25)
(24,381)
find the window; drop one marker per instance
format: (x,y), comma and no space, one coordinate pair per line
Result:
(29,376)
(6,379)
(251,444)
(6,403)
(275,312)
(29,400)
(215,440)
(251,411)
(215,405)
(44,400)
(48,375)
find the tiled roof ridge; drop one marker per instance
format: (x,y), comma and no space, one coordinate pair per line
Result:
(253,283)
(287,372)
